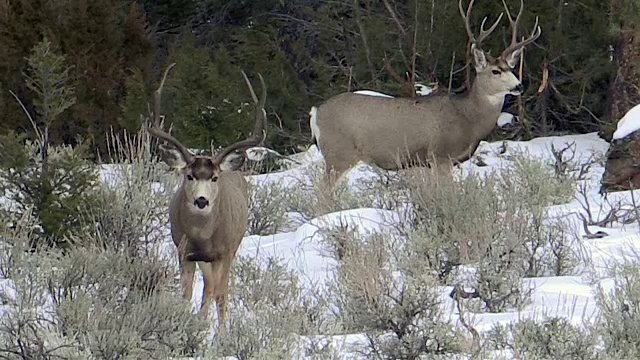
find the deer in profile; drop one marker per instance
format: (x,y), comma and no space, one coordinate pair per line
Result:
(394,133)
(209,212)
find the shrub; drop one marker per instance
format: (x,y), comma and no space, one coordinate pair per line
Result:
(552,338)
(131,212)
(109,295)
(26,332)
(619,323)
(382,290)
(119,307)
(267,211)
(536,181)
(310,198)
(469,222)
(497,226)
(268,311)
(100,304)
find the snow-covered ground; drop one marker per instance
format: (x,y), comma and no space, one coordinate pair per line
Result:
(566,296)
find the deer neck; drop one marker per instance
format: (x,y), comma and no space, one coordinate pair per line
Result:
(483,109)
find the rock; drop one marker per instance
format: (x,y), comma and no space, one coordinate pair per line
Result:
(622,169)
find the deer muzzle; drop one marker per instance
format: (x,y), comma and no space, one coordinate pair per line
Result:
(201,202)
(518,89)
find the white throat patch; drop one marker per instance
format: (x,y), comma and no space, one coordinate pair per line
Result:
(497,99)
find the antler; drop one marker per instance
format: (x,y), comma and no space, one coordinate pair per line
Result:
(483,33)
(513,24)
(259,130)
(155,130)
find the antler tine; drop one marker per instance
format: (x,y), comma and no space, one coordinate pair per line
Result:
(157,96)
(465,17)
(261,124)
(160,134)
(513,24)
(155,130)
(253,93)
(515,45)
(259,130)
(483,33)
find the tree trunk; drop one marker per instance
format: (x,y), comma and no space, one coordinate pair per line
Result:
(624,88)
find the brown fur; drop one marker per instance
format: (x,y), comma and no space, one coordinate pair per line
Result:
(395,133)
(214,238)
(440,126)
(209,212)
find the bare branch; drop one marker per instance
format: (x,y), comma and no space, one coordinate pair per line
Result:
(33,123)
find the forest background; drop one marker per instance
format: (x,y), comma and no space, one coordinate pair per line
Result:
(105,57)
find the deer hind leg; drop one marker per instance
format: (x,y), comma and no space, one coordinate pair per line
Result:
(334,175)
(444,170)
(335,171)
(326,188)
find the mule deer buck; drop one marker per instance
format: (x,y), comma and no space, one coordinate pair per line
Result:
(393,133)
(209,212)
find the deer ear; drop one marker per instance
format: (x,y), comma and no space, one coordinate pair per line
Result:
(513,57)
(171,156)
(233,161)
(479,58)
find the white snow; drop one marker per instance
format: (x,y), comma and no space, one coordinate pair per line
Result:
(571,297)
(629,123)
(421,90)
(260,153)
(372,93)
(505,119)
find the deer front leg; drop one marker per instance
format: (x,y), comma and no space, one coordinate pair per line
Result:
(211,273)
(187,272)
(187,268)
(222,293)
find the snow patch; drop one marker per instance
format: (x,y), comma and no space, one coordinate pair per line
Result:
(372,93)
(505,119)
(629,123)
(423,90)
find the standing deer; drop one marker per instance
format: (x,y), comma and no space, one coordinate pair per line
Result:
(392,133)
(209,212)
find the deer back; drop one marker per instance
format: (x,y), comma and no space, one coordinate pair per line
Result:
(382,130)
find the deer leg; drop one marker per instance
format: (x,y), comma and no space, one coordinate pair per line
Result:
(442,170)
(325,190)
(222,293)
(211,275)
(187,268)
(335,171)
(187,272)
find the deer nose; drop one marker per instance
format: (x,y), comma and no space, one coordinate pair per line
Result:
(201,202)
(519,88)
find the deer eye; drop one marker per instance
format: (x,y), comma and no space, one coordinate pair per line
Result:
(189,177)
(214,179)
(496,72)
